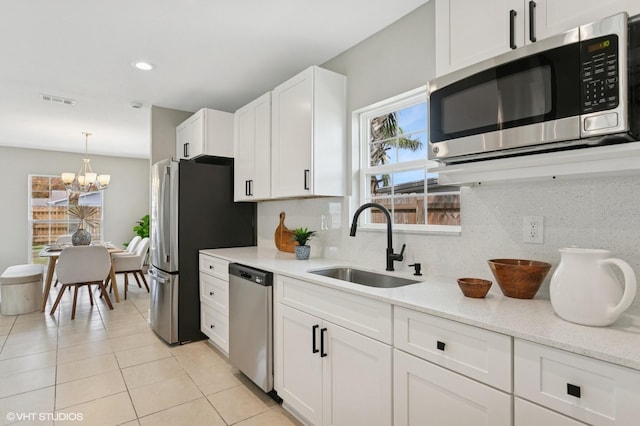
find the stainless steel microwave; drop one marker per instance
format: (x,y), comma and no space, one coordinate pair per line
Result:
(576,89)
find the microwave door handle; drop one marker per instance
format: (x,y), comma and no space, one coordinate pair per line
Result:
(532,21)
(512,28)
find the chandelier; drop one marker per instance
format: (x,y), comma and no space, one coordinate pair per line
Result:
(85,180)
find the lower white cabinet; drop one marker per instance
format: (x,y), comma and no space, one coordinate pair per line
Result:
(429,395)
(214,300)
(331,375)
(588,390)
(528,414)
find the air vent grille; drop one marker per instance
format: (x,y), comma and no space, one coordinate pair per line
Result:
(57,100)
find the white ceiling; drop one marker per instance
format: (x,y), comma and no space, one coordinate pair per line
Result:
(208,53)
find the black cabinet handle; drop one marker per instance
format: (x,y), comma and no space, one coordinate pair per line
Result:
(512,28)
(532,21)
(314,348)
(246,188)
(210,266)
(323,332)
(251,187)
(211,293)
(212,326)
(440,345)
(306,179)
(185,148)
(573,390)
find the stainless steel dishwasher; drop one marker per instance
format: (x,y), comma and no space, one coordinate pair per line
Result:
(251,323)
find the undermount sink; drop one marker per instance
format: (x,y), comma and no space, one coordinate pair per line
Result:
(367,278)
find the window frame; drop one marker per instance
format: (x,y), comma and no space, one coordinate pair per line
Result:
(31,221)
(362,170)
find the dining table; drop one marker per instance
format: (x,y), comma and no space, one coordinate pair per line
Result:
(53,253)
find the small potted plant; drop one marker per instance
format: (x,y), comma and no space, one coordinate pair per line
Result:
(302,235)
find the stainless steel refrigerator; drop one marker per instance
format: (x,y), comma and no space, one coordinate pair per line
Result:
(192,208)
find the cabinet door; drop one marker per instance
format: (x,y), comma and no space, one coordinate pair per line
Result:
(356,379)
(252,150)
(244,151)
(298,377)
(216,326)
(425,394)
(189,137)
(528,414)
(469,31)
(557,16)
(292,109)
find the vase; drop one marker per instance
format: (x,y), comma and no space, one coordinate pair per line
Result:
(584,289)
(81,238)
(303,252)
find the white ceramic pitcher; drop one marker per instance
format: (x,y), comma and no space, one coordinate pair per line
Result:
(584,289)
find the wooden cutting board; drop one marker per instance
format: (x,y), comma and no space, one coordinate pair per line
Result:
(284,237)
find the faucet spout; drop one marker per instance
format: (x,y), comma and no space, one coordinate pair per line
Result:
(391,256)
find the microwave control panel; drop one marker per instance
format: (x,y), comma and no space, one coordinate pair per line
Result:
(600,83)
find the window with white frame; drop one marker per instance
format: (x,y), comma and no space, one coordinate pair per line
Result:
(394,167)
(48,213)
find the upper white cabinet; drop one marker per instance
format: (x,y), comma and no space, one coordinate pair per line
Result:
(206,132)
(252,150)
(309,135)
(469,31)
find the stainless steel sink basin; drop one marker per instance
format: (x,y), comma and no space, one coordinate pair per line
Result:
(358,276)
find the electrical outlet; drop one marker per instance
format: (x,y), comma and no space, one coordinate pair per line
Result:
(533,229)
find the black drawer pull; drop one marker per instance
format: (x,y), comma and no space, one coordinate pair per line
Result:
(211,293)
(306,179)
(212,326)
(323,332)
(314,348)
(210,266)
(440,345)
(573,390)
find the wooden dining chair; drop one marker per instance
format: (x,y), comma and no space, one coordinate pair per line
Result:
(80,266)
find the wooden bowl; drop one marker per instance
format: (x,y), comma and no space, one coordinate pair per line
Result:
(474,287)
(518,278)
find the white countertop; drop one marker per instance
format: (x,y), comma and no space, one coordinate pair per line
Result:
(532,319)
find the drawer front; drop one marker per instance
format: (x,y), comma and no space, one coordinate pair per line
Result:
(528,414)
(480,354)
(357,313)
(214,266)
(214,292)
(425,394)
(216,326)
(592,391)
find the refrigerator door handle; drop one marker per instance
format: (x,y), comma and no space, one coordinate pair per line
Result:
(157,278)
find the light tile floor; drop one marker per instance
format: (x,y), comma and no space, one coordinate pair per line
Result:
(108,368)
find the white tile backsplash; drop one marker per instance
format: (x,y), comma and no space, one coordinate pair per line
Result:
(594,212)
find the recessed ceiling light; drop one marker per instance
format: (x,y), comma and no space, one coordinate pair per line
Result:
(144,66)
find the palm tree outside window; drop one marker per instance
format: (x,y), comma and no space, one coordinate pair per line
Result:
(394,165)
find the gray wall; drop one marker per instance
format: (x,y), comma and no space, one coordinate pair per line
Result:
(125,201)
(163,131)
(598,212)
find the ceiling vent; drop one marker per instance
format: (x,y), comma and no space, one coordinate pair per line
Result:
(57,100)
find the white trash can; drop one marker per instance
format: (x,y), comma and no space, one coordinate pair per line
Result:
(21,289)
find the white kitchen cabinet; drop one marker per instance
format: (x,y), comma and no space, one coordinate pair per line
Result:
(470,31)
(309,135)
(252,150)
(214,300)
(206,132)
(585,389)
(429,395)
(324,372)
(528,414)
(425,393)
